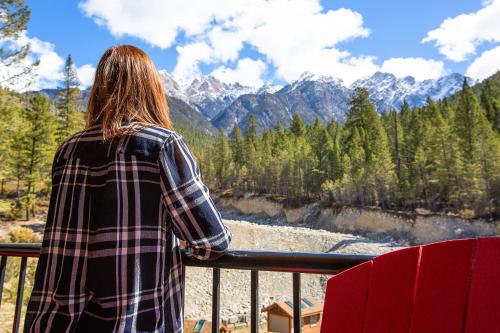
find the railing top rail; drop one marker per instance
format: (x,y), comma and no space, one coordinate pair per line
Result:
(318,263)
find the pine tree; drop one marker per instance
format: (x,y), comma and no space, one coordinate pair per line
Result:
(267,176)
(237,149)
(69,104)
(36,147)
(297,127)
(321,145)
(467,121)
(363,121)
(10,122)
(222,159)
(334,130)
(488,159)
(15,17)
(278,139)
(490,102)
(443,158)
(251,152)
(414,126)
(394,130)
(252,132)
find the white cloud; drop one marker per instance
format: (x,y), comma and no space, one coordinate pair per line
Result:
(292,35)
(86,75)
(46,75)
(189,58)
(158,22)
(485,65)
(248,72)
(419,68)
(458,37)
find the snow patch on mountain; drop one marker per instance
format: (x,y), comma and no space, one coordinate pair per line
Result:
(207,94)
(389,92)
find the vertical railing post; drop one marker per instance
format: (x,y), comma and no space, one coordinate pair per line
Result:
(3,265)
(19,297)
(215,300)
(254,300)
(296,304)
(183,292)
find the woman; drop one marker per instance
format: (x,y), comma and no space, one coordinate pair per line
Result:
(125,192)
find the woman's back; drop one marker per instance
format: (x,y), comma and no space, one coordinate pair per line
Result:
(110,259)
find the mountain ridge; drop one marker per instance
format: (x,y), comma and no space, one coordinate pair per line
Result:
(327,98)
(221,105)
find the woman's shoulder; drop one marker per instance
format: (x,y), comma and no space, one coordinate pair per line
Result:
(158,133)
(85,134)
(145,137)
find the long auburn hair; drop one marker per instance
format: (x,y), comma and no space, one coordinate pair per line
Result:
(127,88)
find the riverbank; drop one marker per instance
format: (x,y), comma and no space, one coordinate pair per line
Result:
(405,227)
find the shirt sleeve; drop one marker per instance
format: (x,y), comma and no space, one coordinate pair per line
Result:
(194,215)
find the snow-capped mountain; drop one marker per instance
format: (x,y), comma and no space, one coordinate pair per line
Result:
(211,96)
(268,88)
(206,94)
(327,98)
(311,96)
(171,86)
(388,92)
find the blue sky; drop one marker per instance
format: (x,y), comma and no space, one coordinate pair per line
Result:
(274,41)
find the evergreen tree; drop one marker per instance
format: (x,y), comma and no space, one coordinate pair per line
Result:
(36,146)
(467,122)
(252,132)
(334,130)
(222,159)
(363,121)
(69,109)
(251,150)
(322,147)
(488,158)
(297,127)
(278,139)
(395,135)
(443,163)
(490,102)
(10,124)
(15,17)
(267,174)
(237,148)
(414,126)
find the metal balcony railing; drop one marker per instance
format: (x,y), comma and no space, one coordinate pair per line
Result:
(253,261)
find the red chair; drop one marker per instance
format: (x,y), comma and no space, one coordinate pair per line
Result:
(446,287)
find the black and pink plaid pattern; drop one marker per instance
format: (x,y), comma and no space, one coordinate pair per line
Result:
(110,258)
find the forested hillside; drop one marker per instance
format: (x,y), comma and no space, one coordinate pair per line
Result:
(444,156)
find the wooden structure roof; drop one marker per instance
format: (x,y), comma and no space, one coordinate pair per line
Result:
(309,306)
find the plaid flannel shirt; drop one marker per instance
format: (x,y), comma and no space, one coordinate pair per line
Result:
(110,258)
